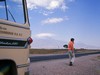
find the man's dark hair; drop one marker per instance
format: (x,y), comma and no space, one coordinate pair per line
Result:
(72,39)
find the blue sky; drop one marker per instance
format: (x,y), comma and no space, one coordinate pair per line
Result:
(64,19)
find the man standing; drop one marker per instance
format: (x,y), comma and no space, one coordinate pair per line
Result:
(71,51)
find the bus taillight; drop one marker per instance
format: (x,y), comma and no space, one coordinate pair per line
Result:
(30,40)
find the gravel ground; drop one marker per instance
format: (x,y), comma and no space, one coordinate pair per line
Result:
(85,65)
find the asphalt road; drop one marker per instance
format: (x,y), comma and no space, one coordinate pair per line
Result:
(60,56)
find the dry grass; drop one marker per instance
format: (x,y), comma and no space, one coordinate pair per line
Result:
(59,51)
(47,51)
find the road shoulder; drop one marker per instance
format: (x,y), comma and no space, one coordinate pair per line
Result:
(85,65)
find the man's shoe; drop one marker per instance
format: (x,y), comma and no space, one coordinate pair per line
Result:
(70,64)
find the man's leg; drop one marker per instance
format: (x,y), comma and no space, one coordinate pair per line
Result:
(70,58)
(73,57)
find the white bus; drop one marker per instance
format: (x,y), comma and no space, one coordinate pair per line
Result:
(14,37)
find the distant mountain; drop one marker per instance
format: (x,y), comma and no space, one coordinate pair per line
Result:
(85,46)
(49,43)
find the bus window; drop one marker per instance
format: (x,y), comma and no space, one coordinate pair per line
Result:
(12,10)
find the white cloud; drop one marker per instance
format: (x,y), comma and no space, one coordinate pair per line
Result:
(52,20)
(17,1)
(46,4)
(53,4)
(71,0)
(64,7)
(43,35)
(46,13)
(2,6)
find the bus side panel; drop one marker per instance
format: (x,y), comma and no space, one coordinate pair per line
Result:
(19,54)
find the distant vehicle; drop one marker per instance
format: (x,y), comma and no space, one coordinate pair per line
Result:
(15,37)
